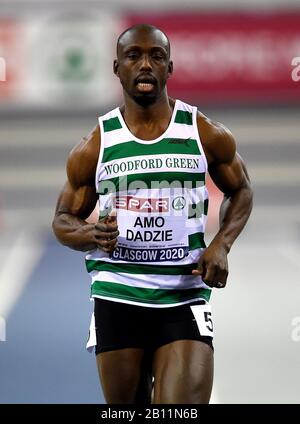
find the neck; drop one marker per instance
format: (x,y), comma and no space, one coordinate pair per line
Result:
(135,113)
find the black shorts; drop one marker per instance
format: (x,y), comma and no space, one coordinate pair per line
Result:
(120,325)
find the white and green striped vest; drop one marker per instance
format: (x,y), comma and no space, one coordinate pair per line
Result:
(158,190)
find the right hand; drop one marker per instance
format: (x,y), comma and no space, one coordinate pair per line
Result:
(106,233)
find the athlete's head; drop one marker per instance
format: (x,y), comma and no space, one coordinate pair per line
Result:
(143,62)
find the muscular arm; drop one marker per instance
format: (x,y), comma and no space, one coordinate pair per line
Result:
(77,200)
(236,205)
(229,173)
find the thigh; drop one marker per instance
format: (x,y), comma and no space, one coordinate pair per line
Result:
(183,372)
(126,375)
(123,359)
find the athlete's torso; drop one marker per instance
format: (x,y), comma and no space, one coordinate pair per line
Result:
(158,190)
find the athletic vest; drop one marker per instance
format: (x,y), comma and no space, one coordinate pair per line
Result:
(157,188)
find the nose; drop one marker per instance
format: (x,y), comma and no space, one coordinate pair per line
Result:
(145,63)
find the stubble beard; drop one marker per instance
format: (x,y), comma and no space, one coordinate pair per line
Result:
(145,100)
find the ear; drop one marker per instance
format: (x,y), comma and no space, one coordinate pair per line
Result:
(170,68)
(116,67)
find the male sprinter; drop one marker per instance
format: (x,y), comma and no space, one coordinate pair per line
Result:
(152,274)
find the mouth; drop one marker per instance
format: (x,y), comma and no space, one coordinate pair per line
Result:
(145,85)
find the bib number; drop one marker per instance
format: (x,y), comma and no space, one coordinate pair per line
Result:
(202,314)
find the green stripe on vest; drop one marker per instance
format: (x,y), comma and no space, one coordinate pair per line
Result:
(183,117)
(143,295)
(111,124)
(93,265)
(196,240)
(205,206)
(166,146)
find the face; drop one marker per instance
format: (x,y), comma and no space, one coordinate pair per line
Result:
(143,65)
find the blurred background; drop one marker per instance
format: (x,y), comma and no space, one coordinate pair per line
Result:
(239,63)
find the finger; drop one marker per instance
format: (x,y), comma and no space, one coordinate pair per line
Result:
(209,276)
(106,250)
(103,226)
(109,249)
(106,243)
(199,270)
(112,243)
(112,217)
(107,235)
(221,278)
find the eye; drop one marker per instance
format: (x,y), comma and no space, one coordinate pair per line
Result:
(158,56)
(132,55)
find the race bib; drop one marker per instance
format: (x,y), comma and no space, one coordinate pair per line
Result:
(151,229)
(203,317)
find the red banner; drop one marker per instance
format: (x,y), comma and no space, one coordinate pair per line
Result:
(232,58)
(9,54)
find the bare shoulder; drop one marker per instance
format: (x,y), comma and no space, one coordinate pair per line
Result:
(83,158)
(217,140)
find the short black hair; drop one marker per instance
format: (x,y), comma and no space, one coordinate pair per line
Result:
(147,27)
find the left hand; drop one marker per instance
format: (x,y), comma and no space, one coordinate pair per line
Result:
(213,266)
